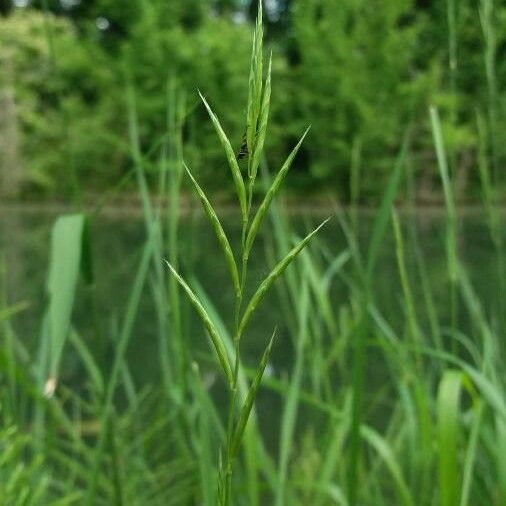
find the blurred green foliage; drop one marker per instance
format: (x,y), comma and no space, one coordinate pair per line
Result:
(359,71)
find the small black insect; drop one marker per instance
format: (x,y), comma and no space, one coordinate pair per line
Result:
(243,151)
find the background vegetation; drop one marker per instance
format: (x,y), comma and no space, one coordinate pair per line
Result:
(358,71)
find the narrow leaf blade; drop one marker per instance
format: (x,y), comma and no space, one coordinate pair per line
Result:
(255,85)
(218,229)
(206,320)
(385,451)
(273,276)
(381,222)
(232,161)
(451,235)
(264,206)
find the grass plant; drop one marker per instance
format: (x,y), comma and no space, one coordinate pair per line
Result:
(256,128)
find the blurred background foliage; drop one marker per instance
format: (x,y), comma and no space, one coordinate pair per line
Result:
(359,71)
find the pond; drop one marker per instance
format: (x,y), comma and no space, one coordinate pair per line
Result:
(116,244)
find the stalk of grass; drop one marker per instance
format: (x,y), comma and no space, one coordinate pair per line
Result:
(493,215)
(174,169)
(258,106)
(488,24)
(414,328)
(471,454)
(421,265)
(362,327)
(355,167)
(451,223)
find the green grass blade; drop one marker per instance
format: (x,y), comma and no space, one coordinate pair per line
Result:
(448,193)
(8,312)
(291,401)
(217,341)
(255,87)
(448,431)
(88,360)
(264,206)
(204,440)
(403,274)
(500,442)
(490,392)
(250,399)
(471,454)
(232,160)
(384,449)
(220,233)
(381,221)
(273,275)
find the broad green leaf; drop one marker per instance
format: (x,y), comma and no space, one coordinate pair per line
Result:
(232,160)
(262,123)
(66,250)
(220,233)
(250,399)
(271,192)
(273,275)
(206,320)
